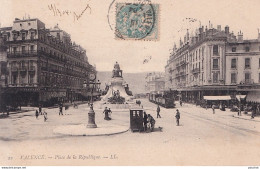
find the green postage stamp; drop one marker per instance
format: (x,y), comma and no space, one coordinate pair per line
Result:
(137,21)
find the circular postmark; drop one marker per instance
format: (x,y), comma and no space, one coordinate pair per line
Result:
(135,21)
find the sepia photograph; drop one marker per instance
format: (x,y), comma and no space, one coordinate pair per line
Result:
(129,83)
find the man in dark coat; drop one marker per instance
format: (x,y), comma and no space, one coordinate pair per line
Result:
(177,116)
(158,111)
(145,121)
(36,114)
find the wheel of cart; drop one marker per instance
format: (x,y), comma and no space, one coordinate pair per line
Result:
(136,120)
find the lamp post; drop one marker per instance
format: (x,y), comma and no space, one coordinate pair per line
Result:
(91,114)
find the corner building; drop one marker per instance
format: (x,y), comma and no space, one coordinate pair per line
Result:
(43,65)
(213,62)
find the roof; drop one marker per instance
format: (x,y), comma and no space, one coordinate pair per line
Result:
(217,97)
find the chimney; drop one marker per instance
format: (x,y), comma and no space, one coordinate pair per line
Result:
(258,35)
(240,36)
(227,30)
(180,42)
(187,35)
(219,28)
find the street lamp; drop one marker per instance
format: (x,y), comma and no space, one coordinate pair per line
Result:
(91,114)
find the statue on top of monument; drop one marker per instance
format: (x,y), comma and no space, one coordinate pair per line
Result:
(117,72)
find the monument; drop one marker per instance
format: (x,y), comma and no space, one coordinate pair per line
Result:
(117,89)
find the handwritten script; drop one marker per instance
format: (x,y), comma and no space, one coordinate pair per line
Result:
(76,16)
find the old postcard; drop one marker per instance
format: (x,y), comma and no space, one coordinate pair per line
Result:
(130,82)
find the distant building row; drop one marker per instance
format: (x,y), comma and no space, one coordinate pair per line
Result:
(40,64)
(214,62)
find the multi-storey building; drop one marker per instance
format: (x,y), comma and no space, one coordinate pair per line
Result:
(213,62)
(43,65)
(155,82)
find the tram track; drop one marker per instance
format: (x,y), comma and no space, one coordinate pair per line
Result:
(219,124)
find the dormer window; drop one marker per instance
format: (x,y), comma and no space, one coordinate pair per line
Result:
(234,49)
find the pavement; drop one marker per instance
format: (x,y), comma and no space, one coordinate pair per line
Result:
(203,138)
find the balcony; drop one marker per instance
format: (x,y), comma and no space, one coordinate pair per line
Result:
(27,53)
(14,69)
(23,69)
(195,71)
(32,68)
(215,68)
(247,82)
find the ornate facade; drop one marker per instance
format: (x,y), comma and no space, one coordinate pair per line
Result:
(213,62)
(43,65)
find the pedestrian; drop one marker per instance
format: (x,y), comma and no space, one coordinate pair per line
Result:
(60,111)
(145,121)
(181,102)
(177,116)
(36,114)
(151,122)
(158,111)
(45,116)
(40,109)
(109,113)
(213,108)
(106,114)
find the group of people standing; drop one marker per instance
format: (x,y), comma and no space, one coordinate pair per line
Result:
(107,112)
(40,112)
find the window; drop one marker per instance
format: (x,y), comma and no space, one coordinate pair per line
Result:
(247,77)
(32,35)
(233,63)
(23,49)
(29,23)
(23,36)
(215,63)
(259,62)
(32,48)
(31,78)
(233,78)
(234,49)
(259,78)
(21,25)
(215,50)
(15,37)
(215,77)
(5,37)
(247,63)
(14,49)
(247,49)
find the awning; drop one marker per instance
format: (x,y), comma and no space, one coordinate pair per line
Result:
(217,97)
(253,97)
(240,97)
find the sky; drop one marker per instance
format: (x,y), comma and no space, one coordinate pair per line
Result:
(93,31)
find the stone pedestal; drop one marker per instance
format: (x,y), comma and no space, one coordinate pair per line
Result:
(91,118)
